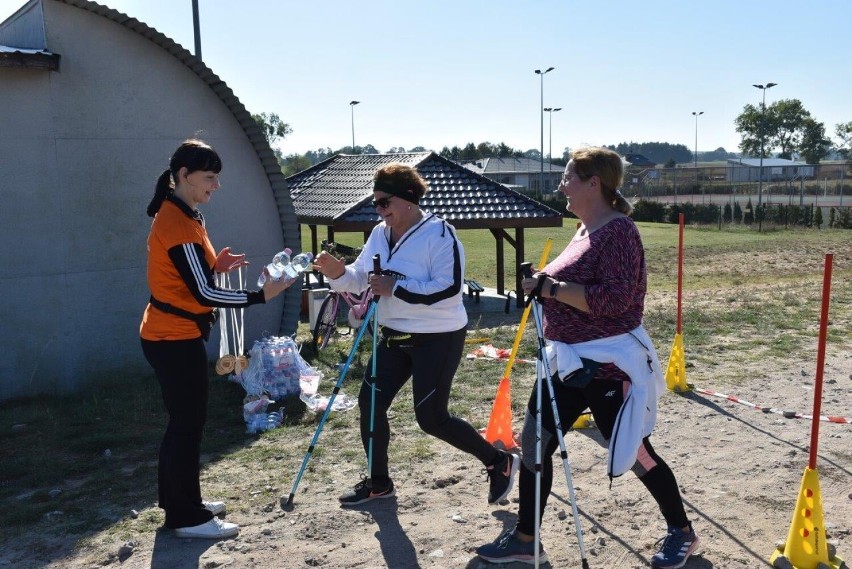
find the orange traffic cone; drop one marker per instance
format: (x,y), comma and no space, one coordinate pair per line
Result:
(499,430)
(806,546)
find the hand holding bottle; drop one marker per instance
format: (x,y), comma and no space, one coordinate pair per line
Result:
(282,265)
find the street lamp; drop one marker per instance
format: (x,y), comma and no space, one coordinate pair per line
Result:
(695,157)
(550,111)
(760,170)
(352,108)
(541,106)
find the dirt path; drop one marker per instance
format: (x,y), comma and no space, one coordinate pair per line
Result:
(739,470)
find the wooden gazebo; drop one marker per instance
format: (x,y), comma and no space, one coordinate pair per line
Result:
(337,192)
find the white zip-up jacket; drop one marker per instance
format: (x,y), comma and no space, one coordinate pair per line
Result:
(428,263)
(635,355)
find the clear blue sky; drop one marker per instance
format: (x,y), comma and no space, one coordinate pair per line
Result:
(450,72)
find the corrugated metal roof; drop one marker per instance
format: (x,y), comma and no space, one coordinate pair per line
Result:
(338,192)
(489,166)
(767,162)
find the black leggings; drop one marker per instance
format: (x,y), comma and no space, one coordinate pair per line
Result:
(181,369)
(604,398)
(431,360)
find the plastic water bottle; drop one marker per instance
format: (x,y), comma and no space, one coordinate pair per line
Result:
(298,264)
(276,267)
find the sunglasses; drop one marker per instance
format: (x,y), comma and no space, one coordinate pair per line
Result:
(382,203)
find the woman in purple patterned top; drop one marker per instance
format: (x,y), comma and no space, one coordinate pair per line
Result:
(594,289)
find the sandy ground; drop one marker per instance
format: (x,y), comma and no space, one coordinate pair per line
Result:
(740,471)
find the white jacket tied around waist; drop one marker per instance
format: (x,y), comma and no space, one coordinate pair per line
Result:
(634,354)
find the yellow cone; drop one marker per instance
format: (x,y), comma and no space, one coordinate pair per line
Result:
(806,545)
(584,421)
(676,371)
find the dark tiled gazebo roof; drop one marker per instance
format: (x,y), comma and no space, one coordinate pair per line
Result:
(337,192)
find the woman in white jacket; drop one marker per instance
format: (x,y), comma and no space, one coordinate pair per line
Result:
(422,326)
(592,296)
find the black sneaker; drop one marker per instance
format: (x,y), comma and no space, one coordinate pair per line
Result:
(675,548)
(501,477)
(364,492)
(509,549)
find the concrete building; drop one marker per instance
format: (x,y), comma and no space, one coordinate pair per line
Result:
(774,170)
(92,105)
(519,173)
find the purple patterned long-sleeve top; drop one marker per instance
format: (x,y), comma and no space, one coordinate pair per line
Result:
(610,262)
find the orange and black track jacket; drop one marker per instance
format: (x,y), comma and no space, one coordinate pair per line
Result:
(180,273)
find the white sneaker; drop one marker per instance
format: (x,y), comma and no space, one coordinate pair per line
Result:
(215,508)
(214,529)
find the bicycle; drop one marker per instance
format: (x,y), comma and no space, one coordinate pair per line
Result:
(327,323)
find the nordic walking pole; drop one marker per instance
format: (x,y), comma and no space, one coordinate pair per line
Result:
(343,372)
(545,253)
(544,366)
(377,270)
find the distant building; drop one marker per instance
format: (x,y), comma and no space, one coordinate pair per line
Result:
(774,169)
(639,161)
(518,173)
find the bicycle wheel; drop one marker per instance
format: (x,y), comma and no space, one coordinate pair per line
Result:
(326,321)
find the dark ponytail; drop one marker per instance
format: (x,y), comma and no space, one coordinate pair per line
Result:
(194,155)
(161,190)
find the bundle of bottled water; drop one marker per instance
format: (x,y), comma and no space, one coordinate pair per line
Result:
(264,421)
(276,370)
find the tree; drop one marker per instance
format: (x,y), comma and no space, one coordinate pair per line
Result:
(843,131)
(789,118)
(748,215)
(294,163)
(272,126)
(814,146)
(659,152)
(818,217)
(782,126)
(738,213)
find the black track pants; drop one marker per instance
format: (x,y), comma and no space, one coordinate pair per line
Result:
(181,369)
(431,361)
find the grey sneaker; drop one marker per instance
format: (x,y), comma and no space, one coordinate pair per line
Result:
(509,549)
(675,548)
(364,492)
(501,477)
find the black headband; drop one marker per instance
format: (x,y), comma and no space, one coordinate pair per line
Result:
(407,194)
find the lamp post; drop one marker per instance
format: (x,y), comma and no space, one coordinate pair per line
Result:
(541,106)
(352,108)
(695,157)
(760,169)
(196,29)
(550,111)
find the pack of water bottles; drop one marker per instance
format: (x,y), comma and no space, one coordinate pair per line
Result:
(276,370)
